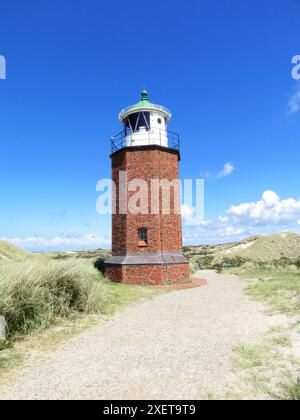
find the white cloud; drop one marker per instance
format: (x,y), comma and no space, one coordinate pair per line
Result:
(294,103)
(187,212)
(190,217)
(214,232)
(227,170)
(70,242)
(270,210)
(270,214)
(270,198)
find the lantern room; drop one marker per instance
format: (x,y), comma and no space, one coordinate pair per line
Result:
(145,124)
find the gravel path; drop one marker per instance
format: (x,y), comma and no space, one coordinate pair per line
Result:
(176,346)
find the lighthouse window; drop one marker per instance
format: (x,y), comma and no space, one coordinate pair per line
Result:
(143,234)
(138,120)
(159,120)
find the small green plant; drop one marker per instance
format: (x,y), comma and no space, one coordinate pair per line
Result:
(5,344)
(290,390)
(248,357)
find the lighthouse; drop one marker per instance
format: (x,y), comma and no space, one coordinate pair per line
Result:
(146,244)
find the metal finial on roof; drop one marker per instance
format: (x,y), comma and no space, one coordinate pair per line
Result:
(144,95)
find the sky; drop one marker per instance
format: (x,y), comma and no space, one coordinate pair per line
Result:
(224,69)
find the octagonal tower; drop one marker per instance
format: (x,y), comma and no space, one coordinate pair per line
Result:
(146,247)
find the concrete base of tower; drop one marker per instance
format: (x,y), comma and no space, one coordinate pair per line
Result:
(152,274)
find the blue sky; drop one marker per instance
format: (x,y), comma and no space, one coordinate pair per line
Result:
(222,67)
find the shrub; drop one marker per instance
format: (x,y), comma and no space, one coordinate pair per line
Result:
(236,261)
(202,261)
(206,261)
(283,262)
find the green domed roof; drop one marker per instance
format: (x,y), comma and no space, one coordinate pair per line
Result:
(144,105)
(143,102)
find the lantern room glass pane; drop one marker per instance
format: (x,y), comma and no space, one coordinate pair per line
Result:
(134,122)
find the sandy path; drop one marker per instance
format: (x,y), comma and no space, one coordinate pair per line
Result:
(176,346)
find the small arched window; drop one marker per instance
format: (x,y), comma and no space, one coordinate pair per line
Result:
(143,236)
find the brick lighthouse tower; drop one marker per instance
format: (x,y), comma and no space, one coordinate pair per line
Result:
(146,245)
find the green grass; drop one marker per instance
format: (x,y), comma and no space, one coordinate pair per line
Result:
(289,391)
(121,295)
(254,356)
(281,340)
(46,299)
(278,287)
(248,356)
(39,291)
(35,292)
(282,248)
(9,361)
(281,292)
(258,363)
(264,364)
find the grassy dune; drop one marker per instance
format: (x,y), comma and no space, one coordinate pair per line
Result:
(10,252)
(37,291)
(277,250)
(270,249)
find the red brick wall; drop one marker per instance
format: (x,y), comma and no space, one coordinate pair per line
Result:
(148,274)
(164,231)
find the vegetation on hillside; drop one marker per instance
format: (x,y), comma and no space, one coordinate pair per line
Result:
(34,293)
(10,252)
(277,250)
(37,291)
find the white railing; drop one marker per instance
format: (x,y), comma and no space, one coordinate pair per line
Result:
(155,136)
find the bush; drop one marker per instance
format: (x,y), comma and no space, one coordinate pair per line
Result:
(236,261)
(287,262)
(35,292)
(283,262)
(201,262)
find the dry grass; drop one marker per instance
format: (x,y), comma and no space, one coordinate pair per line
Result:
(10,252)
(54,296)
(36,291)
